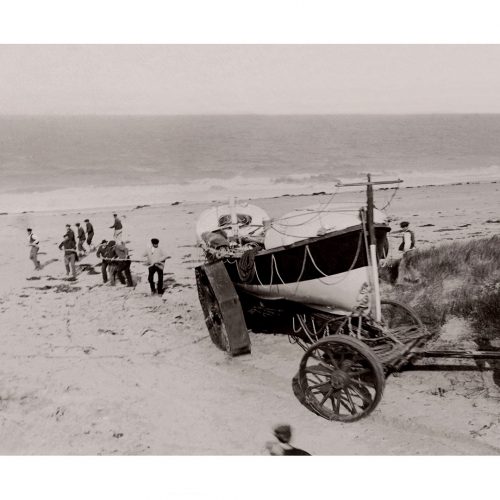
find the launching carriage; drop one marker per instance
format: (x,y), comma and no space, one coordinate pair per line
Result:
(312,275)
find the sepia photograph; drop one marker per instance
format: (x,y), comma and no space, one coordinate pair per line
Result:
(262,249)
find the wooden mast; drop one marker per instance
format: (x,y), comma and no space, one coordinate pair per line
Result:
(372,257)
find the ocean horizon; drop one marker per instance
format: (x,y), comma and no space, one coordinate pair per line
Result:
(73,162)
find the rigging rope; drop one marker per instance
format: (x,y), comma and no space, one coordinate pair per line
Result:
(319,211)
(391,199)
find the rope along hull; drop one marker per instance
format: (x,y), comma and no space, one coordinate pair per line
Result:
(331,270)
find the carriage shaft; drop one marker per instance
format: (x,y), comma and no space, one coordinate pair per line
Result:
(460,354)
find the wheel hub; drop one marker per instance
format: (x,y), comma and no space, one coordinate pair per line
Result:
(339,379)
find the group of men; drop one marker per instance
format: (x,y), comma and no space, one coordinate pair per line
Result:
(116,261)
(115,255)
(71,253)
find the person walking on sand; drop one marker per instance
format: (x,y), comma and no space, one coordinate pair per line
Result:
(118,227)
(101,254)
(34,245)
(69,247)
(70,233)
(90,233)
(81,240)
(282,447)
(123,262)
(155,259)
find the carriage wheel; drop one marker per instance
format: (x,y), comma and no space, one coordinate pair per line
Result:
(341,379)
(212,313)
(401,321)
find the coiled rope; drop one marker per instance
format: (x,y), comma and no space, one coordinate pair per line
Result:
(246,265)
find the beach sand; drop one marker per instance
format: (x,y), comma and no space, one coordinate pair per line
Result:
(90,369)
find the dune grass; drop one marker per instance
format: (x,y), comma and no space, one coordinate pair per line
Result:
(459,279)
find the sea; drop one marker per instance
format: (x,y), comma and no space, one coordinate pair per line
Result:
(70,162)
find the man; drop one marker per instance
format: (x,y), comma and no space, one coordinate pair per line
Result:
(70,233)
(100,254)
(112,264)
(155,259)
(90,233)
(283,434)
(408,237)
(69,255)
(117,226)
(34,245)
(81,240)
(123,263)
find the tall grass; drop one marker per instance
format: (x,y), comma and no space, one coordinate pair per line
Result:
(459,279)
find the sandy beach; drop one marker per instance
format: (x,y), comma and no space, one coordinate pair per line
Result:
(90,369)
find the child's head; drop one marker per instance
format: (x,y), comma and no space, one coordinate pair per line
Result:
(283,433)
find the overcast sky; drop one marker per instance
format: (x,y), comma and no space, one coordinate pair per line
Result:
(268,79)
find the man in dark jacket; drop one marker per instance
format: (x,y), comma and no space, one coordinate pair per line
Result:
(283,434)
(70,233)
(90,233)
(100,254)
(117,226)
(111,258)
(81,240)
(69,255)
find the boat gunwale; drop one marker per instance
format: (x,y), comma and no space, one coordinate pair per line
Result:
(314,239)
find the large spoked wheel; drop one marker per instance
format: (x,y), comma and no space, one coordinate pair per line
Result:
(341,379)
(212,313)
(401,321)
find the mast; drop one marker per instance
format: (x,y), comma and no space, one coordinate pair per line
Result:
(234,218)
(372,257)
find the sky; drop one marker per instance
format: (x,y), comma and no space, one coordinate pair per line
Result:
(253,79)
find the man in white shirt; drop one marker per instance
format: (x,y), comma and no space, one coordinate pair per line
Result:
(155,258)
(34,245)
(408,237)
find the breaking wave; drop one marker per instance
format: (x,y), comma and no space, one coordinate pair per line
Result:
(210,189)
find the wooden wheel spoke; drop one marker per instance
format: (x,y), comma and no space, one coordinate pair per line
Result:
(315,386)
(334,401)
(344,380)
(316,376)
(356,372)
(330,356)
(343,401)
(336,406)
(362,383)
(367,399)
(326,396)
(353,409)
(321,369)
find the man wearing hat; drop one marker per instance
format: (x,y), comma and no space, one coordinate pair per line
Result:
(123,263)
(155,259)
(90,232)
(283,434)
(81,240)
(70,233)
(118,227)
(69,247)
(408,237)
(101,254)
(34,245)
